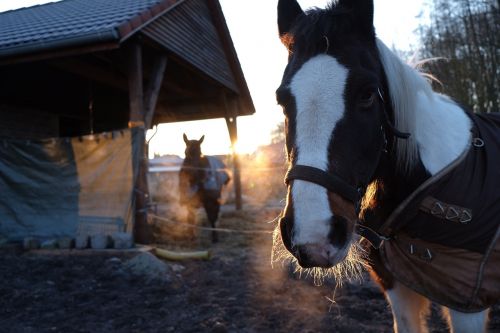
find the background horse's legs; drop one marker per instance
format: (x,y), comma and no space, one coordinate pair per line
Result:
(212,207)
(191,220)
(460,322)
(409,309)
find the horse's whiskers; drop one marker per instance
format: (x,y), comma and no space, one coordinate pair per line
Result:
(350,269)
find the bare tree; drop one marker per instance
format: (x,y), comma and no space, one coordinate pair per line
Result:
(278,133)
(466,35)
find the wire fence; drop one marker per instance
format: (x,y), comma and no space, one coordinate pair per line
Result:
(170,221)
(259,184)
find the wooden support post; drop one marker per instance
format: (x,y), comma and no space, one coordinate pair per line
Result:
(142,231)
(135,86)
(231,116)
(153,88)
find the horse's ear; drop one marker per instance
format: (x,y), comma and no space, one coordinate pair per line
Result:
(362,10)
(201,139)
(184,136)
(288,11)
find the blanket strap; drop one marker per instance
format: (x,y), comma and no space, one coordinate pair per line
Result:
(370,235)
(445,210)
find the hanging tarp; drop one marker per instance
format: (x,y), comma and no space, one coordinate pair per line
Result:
(64,186)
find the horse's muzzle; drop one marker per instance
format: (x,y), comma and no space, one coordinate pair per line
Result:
(313,255)
(322,255)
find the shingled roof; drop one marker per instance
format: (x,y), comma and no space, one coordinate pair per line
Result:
(75,22)
(91,39)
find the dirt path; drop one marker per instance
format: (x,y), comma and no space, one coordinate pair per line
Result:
(235,291)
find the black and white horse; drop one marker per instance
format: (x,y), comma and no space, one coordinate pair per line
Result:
(357,117)
(201,179)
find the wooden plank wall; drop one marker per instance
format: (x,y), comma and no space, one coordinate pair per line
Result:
(189,32)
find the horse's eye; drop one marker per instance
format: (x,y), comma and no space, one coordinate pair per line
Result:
(367,98)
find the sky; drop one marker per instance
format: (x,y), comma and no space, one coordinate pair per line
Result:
(253,29)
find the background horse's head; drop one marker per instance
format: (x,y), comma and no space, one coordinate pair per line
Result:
(193,167)
(193,148)
(335,124)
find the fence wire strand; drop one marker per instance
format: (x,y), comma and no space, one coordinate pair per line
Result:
(170,221)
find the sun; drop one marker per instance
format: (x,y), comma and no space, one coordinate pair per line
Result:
(243,147)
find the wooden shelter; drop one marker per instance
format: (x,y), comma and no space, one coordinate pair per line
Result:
(77,67)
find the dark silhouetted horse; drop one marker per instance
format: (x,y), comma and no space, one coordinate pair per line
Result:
(200,183)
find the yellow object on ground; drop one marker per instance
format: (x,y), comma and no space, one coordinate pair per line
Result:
(172,255)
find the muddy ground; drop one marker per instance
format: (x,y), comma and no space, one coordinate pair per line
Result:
(237,290)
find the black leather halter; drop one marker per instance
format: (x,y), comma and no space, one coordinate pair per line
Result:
(334,183)
(329,181)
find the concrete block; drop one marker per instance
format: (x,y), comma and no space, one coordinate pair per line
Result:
(31,243)
(99,241)
(122,240)
(82,241)
(49,244)
(66,243)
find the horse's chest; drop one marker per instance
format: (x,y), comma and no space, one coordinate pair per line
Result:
(446,238)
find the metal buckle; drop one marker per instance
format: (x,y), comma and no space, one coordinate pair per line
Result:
(452,214)
(375,239)
(380,95)
(427,255)
(466,216)
(478,142)
(437,208)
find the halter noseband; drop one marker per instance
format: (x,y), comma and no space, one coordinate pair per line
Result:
(329,181)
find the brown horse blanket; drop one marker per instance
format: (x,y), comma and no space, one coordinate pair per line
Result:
(216,175)
(208,178)
(445,237)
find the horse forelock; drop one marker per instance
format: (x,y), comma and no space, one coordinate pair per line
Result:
(313,31)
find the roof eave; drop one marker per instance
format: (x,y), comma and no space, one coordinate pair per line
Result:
(110,38)
(130,27)
(246,106)
(44,46)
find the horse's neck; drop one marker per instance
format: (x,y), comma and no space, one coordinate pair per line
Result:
(441,133)
(196,161)
(194,169)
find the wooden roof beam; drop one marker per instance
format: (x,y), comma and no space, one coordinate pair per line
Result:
(153,88)
(91,71)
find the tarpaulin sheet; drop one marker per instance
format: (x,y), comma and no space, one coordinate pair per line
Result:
(58,187)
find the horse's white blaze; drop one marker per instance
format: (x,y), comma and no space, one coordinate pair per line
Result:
(318,87)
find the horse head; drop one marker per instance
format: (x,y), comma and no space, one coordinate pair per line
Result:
(193,148)
(193,167)
(336,125)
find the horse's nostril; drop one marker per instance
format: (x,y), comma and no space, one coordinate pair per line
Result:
(338,231)
(310,256)
(286,226)
(303,257)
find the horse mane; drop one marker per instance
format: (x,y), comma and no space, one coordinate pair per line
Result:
(310,35)
(311,30)
(404,83)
